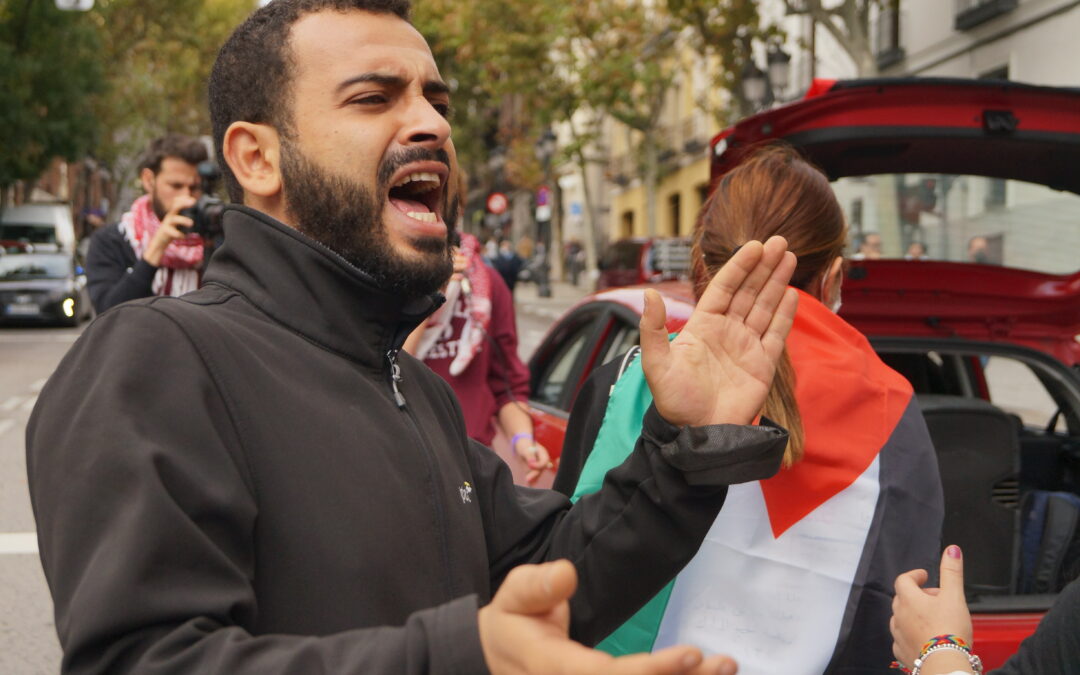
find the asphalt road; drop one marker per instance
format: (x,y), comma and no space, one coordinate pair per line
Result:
(28,644)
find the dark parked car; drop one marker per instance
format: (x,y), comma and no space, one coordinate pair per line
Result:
(984,320)
(42,288)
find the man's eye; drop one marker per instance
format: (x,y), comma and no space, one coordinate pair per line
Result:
(444,109)
(371,99)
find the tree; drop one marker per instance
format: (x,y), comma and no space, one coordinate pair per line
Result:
(159,54)
(625,58)
(725,32)
(49,76)
(495,55)
(848,22)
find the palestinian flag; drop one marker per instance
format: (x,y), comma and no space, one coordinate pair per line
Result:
(796,573)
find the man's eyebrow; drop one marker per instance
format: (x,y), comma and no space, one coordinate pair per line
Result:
(431,87)
(436,87)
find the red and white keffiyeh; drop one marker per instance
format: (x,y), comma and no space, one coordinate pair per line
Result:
(475,285)
(179,271)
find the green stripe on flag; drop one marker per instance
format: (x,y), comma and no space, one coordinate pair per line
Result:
(615,441)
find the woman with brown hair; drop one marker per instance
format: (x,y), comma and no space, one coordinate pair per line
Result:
(796,573)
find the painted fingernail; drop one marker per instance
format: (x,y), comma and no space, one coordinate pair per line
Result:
(953,551)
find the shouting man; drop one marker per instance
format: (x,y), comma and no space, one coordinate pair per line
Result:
(288,493)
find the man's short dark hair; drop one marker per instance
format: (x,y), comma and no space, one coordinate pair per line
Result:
(252,76)
(186,148)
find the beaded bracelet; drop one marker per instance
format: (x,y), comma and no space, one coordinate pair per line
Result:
(939,642)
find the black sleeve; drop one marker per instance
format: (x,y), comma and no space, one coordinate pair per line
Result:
(633,536)
(581,431)
(113,275)
(1055,645)
(146,514)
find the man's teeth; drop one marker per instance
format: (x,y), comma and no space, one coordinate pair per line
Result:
(419,177)
(425,216)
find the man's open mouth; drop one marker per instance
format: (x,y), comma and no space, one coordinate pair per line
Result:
(418,195)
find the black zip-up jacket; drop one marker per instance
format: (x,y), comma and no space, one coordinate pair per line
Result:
(113,273)
(234,482)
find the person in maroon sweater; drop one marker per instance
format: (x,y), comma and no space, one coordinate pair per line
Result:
(471,342)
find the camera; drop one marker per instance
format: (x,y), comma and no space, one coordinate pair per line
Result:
(207,212)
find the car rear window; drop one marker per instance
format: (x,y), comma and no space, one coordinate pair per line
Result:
(29,266)
(28,233)
(962,218)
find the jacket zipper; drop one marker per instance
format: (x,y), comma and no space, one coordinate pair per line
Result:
(399,399)
(395,377)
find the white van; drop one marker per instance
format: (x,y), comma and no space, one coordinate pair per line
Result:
(37,227)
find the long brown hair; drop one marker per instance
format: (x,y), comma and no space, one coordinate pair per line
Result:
(773,191)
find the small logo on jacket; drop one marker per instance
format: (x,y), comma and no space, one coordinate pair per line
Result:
(466,493)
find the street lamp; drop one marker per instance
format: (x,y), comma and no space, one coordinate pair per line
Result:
(545,148)
(762,88)
(755,84)
(545,151)
(779,65)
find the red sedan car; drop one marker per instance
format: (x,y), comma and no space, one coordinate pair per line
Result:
(970,193)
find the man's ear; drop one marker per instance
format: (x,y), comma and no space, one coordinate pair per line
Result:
(146,177)
(253,152)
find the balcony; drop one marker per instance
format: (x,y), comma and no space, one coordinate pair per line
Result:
(971,13)
(693,135)
(620,170)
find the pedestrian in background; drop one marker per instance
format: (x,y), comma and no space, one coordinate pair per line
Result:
(149,252)
(869,247)
(508,264)
(471,342)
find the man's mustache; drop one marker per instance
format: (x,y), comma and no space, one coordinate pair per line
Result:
(416,154)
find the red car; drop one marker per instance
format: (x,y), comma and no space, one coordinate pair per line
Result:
(973,293)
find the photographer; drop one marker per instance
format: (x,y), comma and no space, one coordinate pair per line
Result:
(149,252)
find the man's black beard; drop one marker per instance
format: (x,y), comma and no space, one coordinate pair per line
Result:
(346,217)
(159,207)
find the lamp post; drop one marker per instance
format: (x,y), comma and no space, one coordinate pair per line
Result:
(496,162)
(762,88)
(545,151)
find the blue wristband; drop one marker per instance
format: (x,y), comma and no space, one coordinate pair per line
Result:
(516,438)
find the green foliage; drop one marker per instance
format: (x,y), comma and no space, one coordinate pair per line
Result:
(104,82)
(159,54)
(49,76)
(726,31)
(495,55)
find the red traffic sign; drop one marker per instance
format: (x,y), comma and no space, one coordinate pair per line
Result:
(497,203)
(543,196)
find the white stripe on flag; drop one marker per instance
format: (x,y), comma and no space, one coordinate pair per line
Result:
(774,605)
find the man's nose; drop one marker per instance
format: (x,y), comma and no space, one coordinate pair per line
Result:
(424,125)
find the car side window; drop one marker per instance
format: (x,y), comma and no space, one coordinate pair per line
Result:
(560,369)
(626,336)
(1014,388)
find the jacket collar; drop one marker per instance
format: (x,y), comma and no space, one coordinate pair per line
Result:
(304,285)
